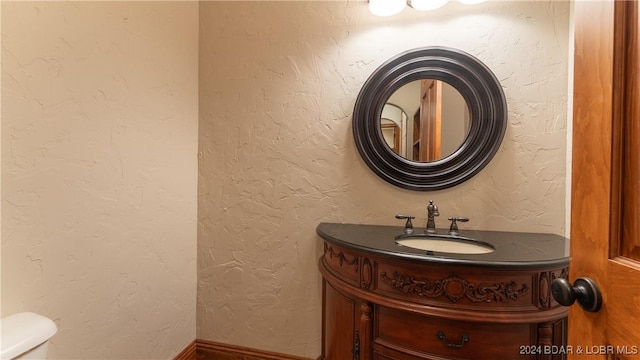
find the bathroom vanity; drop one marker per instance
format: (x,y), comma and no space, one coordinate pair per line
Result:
(382,300)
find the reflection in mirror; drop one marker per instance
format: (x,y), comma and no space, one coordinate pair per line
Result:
(437,124)
(393,123)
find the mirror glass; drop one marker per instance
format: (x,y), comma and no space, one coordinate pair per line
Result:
(425,120)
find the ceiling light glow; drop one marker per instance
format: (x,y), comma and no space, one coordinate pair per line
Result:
(386,7)
(426,5)
(471,2)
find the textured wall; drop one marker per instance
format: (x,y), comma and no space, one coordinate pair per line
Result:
(278,81)
(99,173)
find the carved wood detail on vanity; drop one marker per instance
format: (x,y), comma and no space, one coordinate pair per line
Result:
(342,258)
(366,327)
(545,278)
(343,263)
(451,287)
(455,288)
(367,273)
(545,293)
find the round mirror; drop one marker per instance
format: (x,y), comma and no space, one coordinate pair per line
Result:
(442,138)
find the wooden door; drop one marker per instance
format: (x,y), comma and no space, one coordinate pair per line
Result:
(430,119)
(605,210)
(427,122)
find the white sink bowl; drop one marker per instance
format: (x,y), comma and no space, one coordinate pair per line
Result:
(453,245)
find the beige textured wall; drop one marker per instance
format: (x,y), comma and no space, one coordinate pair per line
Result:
(99,171)
(278,81)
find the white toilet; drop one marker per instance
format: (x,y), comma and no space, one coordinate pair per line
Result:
(25,336)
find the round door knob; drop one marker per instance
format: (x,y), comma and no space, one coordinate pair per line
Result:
(584,290)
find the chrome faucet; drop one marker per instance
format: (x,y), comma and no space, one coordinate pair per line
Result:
(432,212)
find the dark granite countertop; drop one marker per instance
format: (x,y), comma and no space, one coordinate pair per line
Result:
(512,249)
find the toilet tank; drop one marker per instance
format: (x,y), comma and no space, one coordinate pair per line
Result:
(25,336)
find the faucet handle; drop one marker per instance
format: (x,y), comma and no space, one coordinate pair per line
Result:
(453,229)
(408,226)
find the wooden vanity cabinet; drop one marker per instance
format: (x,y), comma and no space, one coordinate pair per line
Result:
(381,307)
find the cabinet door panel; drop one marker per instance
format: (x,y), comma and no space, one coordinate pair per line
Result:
(339,326)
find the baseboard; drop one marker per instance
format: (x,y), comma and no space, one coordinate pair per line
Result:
(189,353)
(211,350)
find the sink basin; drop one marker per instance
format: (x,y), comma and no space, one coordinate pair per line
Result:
(445,243)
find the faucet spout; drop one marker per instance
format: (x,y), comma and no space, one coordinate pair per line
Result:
(432,212)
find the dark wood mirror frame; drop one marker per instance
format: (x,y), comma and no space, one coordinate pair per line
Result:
(480,89)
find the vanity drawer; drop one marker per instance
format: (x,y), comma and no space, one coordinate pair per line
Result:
(425,337)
